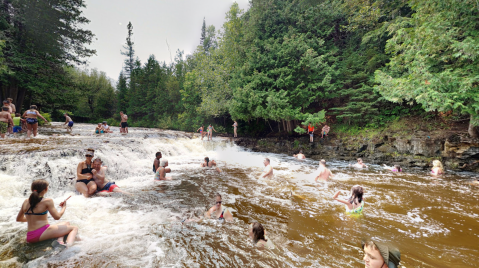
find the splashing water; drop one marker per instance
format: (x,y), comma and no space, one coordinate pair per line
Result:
(433,221)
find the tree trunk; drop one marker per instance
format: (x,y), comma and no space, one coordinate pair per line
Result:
(472,128)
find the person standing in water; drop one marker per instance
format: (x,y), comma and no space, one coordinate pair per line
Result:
(156,162)
(325,131)
(324,172)
(218,211)
(160,174)
(104,186)
(210,164)
(17,124)
(437,168)
(68,121)
(359,164)
(32,121)
(85,183)
(5,121)
(210,132)
(300,155)
(202,131)
(355,203)
(378,255)
(310,132)
(38,227)
(14,109)
(124,123)
(257,234)
(235,128)
(268,170)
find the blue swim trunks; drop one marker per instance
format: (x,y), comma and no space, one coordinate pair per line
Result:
(17,129)
(70,124)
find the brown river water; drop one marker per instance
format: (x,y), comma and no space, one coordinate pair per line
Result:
(432,221)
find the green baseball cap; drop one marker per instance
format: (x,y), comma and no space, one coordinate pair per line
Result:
(391,256)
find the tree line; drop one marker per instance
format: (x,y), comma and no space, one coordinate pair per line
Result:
(280,64)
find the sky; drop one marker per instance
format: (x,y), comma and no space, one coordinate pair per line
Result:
(154,22)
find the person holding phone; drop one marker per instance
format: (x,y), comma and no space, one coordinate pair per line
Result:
(34,211)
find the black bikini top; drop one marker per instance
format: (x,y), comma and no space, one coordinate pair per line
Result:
(86,170)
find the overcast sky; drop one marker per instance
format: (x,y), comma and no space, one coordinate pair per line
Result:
(154,21)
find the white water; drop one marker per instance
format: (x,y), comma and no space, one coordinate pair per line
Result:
(143,231)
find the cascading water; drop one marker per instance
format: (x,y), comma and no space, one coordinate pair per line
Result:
(433,221)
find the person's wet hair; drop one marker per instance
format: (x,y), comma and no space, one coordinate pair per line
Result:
(398,168)
(300,151)
(33,107)
(258,232)
(17,115)
(98,159)
(357,192)
(323,162)
(218,195)
(158,154)
(267,159)
(6,101)
(163,162)
(38,186)
(207,159)
(359,159)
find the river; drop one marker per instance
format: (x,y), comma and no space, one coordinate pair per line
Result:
(433,221)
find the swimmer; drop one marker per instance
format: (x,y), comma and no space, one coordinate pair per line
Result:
(156,162)
(218,211)
(162,170)
(395,168)
(106,127)
(355,203)
(359,164)
(5,121)
(210,164)
(99,129)
(104,186)
(300,155)
(257,234)
(38,227)
(324,172)
(68,121)
(85,183)
(32,121)
(210,132)
(377,255)
(124,123)
(437,168)
(268,170)
(202,132)
(235,128)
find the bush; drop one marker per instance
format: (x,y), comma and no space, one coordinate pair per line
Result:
(47,116)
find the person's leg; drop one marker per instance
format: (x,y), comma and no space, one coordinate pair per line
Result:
(118,190)
(82,188)
(126,129)
(35,129)
(60,230)
(91,188)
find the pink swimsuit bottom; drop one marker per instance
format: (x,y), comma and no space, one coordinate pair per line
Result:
(34,236)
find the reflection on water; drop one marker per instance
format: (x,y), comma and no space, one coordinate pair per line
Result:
(433,221)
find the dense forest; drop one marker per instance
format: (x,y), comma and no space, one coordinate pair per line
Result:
(280,64)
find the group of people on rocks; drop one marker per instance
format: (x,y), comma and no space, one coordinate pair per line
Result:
(13,123)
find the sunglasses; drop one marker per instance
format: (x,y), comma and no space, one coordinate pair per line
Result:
(89,155)
(218,202)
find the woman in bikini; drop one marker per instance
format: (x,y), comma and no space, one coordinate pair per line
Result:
(210,132)
(218,211)
(235,126)
(85,183)
(355,203)
(32,121)
(201,130)
(38,227)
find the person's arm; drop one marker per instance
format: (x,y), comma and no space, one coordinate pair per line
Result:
(99,174)
(53,211)
(331,174)
(82,176)
(10,119)
(228,216)
(38,114)
(335,197)
(208,213)
(156,164)
(21,215)
(214,129)
(24,114)
(167,170)
(270,170)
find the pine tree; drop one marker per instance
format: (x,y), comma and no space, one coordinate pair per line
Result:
(122,91)
(203,32)
(129,53)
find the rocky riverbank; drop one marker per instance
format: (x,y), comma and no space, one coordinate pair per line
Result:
(457,151)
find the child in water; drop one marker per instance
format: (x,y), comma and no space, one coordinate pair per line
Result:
(395,168)
(437,168)
(258,236)
(355,203)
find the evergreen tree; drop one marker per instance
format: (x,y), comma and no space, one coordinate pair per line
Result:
(203,32)
(129,52)
(122,92)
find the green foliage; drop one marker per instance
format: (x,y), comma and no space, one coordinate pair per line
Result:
(47,116)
